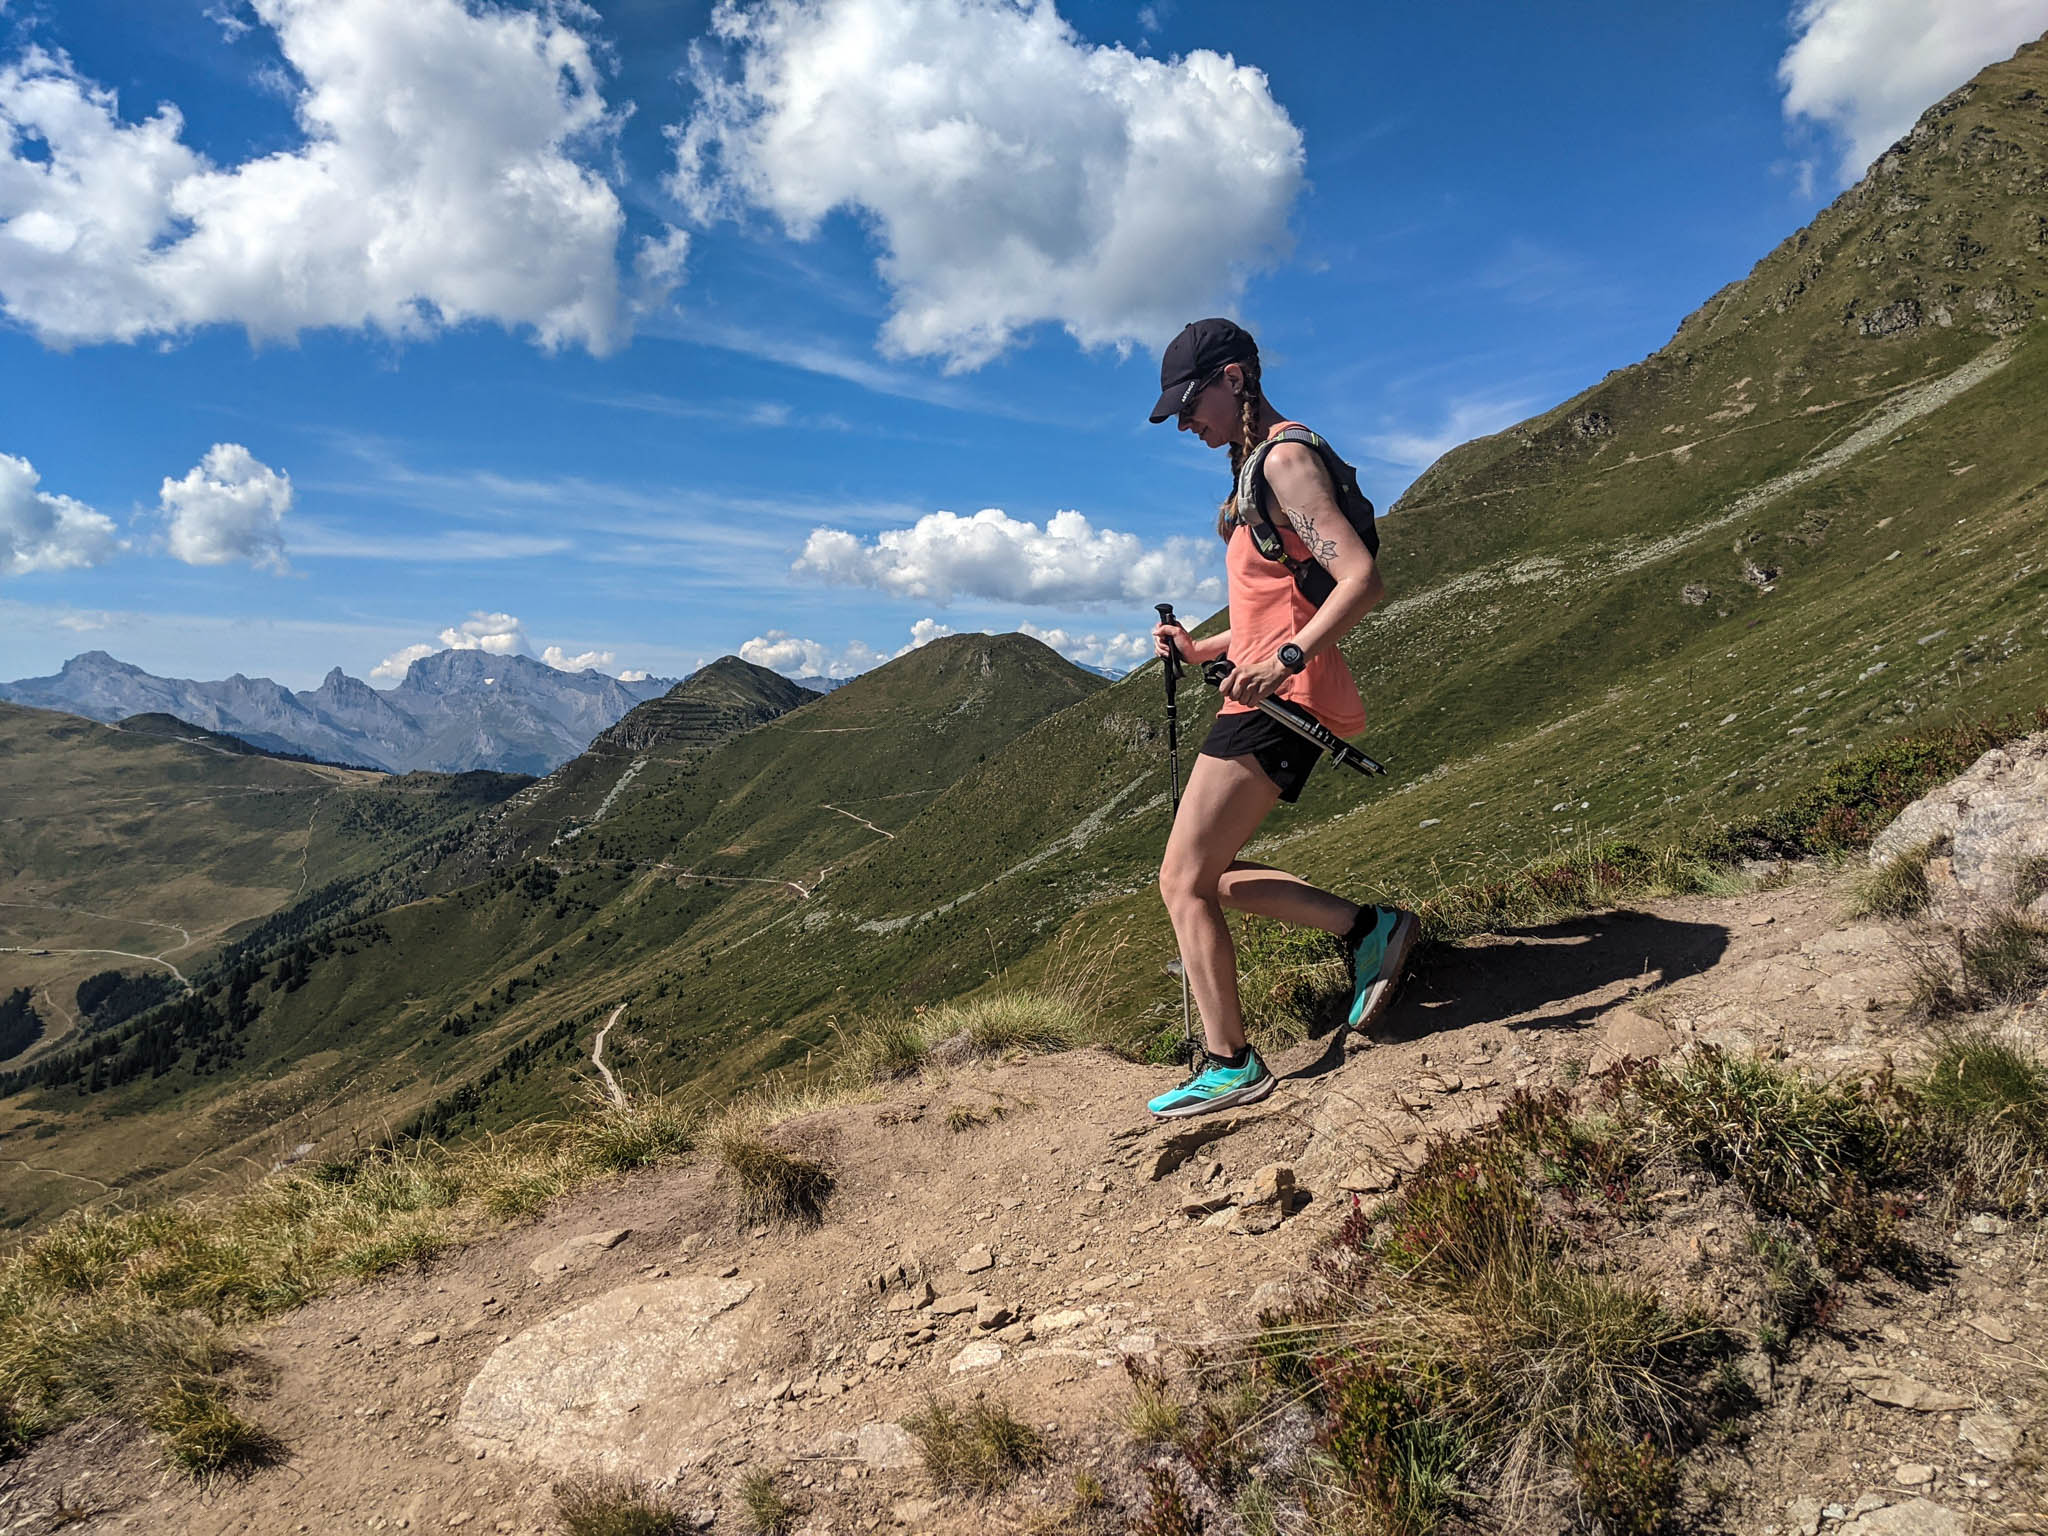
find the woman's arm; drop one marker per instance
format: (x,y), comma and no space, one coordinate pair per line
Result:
(1301,489)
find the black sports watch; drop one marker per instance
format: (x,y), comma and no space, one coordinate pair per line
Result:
(1291,657)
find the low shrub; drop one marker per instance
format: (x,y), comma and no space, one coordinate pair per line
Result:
(1626,1490)
(1821,1155)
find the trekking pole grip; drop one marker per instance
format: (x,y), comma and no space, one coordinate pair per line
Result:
(1173,656)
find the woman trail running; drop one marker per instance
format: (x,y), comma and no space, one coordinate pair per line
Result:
(1280,644)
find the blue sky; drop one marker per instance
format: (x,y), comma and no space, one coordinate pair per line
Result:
(635,335)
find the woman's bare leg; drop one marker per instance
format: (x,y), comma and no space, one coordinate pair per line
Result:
(1226,799)
(1277,894)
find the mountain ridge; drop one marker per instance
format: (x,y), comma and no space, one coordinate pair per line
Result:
(452,712)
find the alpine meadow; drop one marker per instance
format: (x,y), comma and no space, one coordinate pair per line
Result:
(1655,668)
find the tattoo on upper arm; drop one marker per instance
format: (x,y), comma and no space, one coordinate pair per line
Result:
(1318,546)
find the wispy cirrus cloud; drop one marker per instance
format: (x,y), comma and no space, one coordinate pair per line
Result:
(1416,448)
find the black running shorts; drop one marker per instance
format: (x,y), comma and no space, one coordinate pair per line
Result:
(1285,757)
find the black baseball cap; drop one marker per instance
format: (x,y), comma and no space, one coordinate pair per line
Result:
(1192,357)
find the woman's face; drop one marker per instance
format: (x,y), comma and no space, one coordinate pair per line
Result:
(1213,414)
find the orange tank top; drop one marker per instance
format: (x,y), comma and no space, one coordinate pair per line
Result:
(1267,610)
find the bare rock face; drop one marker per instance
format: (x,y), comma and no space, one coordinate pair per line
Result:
(1993,822)
(627,1383)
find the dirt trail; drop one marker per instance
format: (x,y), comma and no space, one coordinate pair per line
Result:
(1050,1165)
(611,1085)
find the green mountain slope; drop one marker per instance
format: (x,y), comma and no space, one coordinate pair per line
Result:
(712,705)
(362,1006)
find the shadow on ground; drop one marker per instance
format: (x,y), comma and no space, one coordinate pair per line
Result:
(1562,975)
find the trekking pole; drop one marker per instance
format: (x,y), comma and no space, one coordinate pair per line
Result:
(1171,667)
(1301,723)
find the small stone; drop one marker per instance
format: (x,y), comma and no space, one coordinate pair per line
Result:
(1364,1180)
(1632,1035)
(730,1272)
(1016,1333)
(992,1314)
(1803,1515)
(1897,1390)
(1990,1226)
(422,1340)
(1138,1343)
(878,1351)
(1912,1474)
(1990,1434)
(1254,1220)
(913,1511)
(917,1294)
(1762,920)
(978,1356)
(1991,1327)
(1915,1517)
(886,1446)
(959,1301)
(976,1259)
(1058,1322)
(1096,1186)
(1416,1100)
(1272,1184)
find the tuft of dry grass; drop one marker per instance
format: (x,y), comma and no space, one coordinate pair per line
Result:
(882,1050)
(978,1448)
(1985,1097)
(615,1506)
(767,1184)
(1154,1416)
(1897,888)
(764,1509)
(205,1437)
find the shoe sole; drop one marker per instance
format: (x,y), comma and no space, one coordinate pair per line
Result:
(1393,966)
(1250,1094)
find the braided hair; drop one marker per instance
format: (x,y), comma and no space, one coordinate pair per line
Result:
(1250,404)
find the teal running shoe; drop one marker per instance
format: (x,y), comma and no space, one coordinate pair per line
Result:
(1217,1087)
(1378,963)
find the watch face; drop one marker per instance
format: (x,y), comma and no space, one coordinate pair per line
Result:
(1291,657)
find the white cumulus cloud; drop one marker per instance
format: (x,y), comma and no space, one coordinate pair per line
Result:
(230,506)
(43,532)
(1118,652)
(780,651)
(496,634)
(1068,563)
(393,667)
(562,661)
(440,180)
(1012,173)
(1866,69)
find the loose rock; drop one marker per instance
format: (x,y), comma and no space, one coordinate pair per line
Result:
(1900,1391)
(975,1260)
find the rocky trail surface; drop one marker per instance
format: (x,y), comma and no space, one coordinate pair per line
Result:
(1019,1228)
